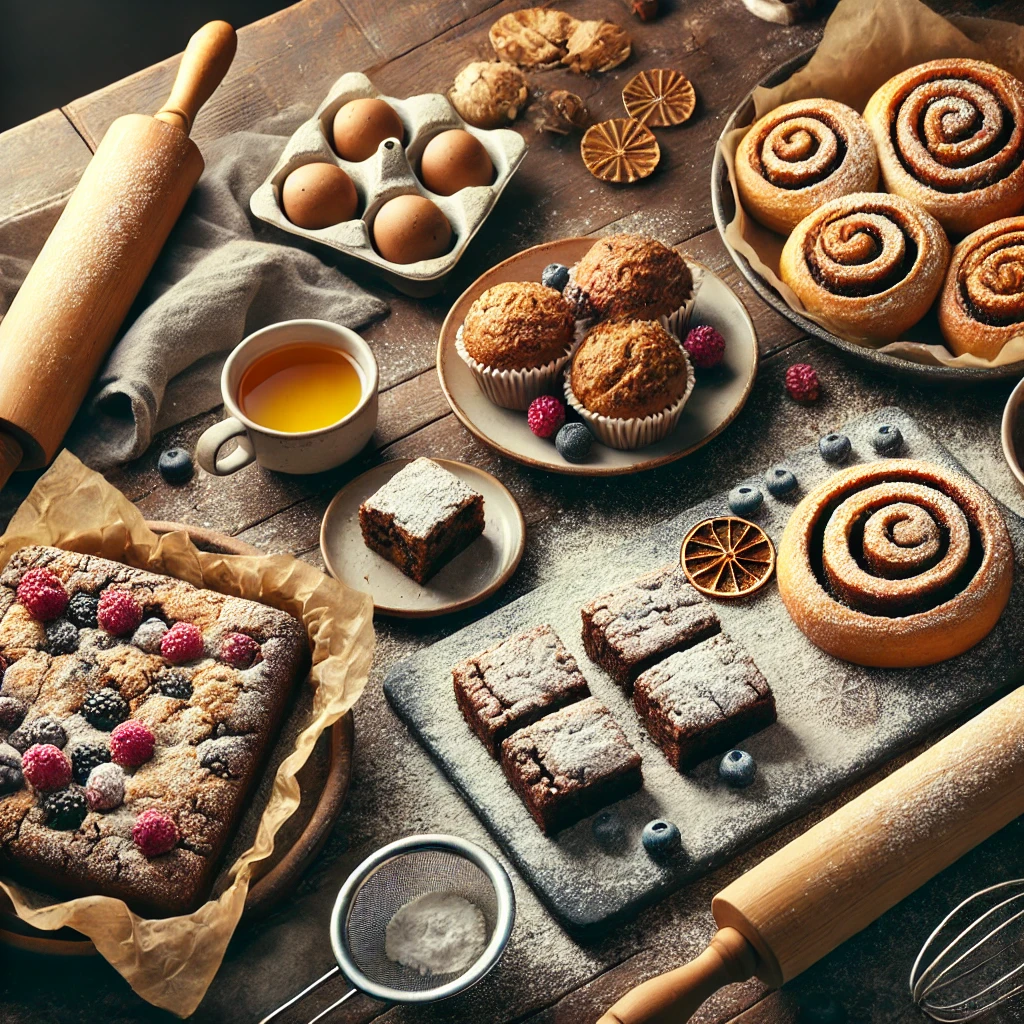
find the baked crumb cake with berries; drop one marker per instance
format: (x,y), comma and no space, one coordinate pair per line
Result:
(135,713)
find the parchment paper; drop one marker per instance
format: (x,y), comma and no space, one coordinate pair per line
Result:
(170,962)
(865,43)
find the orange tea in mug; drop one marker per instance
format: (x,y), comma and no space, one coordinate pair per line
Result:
(300,387)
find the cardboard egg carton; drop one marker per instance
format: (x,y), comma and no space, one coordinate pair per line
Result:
(391,172)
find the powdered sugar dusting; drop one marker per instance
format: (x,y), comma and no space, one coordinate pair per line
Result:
(420,496)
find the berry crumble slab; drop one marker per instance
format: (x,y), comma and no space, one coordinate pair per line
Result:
(135,713)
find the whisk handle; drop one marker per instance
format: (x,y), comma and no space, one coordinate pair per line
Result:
(675,996)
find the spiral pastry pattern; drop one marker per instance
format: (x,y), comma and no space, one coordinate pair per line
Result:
(867,265)
(801,155)
(982,304)
(950,137)
(896,564)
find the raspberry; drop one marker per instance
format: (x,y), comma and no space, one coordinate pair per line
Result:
(82,611)
(43,594)
(61,637)
(118,612)
(802,383)
(65,810)
(545,416)
(46,767)
(154,832)
(182,642)
(104,789)
(706,347)
(85,757)
(131,744)
(105,708)
(239,650)
(174,684)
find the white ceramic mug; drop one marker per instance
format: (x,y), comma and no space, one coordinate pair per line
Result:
(1013,433)
(309,451)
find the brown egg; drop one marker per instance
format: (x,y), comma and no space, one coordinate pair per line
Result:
(318,195)
(455,160)
(411,228)
(360,126)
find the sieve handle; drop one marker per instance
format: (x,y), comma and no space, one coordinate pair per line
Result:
(305,992)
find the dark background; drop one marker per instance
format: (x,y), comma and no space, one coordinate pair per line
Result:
(53,51)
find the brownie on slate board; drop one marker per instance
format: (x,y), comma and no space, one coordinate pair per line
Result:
(703,700)
(571,763)
(638,623)
(515,683)
(421,518)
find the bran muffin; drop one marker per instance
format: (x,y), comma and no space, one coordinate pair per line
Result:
(629,277)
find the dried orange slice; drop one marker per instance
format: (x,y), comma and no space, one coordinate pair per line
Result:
(620,150)
(727,557)
(660,98)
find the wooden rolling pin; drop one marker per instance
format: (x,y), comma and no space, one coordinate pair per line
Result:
(845,872)
(71,305)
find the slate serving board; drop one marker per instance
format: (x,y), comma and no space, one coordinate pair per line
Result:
(836,721)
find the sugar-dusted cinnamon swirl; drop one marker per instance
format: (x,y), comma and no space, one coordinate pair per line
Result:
(801,155)
(950,137)
(867,265)
(982,304)
(895,564)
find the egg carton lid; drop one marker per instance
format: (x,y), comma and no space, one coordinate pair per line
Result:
(389,173)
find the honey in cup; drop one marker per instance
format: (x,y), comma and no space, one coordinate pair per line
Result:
(300,387)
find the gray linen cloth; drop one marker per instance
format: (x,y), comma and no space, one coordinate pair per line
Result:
(221,275)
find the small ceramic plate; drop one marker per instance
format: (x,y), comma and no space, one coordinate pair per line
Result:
(467,579)
(715,403)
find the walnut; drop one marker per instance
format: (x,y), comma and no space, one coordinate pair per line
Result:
(489,94)
(596,46)
(559,111)
(542,38)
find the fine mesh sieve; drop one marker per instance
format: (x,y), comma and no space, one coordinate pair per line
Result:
(385,882)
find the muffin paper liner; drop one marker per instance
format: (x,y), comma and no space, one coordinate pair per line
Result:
(515,389)
(170,962)
(636,432)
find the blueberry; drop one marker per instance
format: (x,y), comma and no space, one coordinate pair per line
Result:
(738,768)
(745,500)
(573,442)
(887,439)
(821,1009)
(661,838)
(780,481)
(834,447)
(608,829)
(555,275)
(175,465)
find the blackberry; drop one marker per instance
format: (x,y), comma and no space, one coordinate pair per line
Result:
(85,757)
(105,708)
(12,712)
(44,730)
(174,684)
(82,611)
(61,637)
(66,809)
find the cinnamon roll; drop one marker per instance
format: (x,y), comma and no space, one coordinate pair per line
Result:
(950,137)
(896,564)
(867,265)
(982,304)
(801,155)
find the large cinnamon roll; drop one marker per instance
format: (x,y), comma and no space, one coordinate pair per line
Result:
(982,304)
(801,155)
(896,564)
(950,137)
(867,265)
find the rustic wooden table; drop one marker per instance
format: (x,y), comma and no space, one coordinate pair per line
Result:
(418,46)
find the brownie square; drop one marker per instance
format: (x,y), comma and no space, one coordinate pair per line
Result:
(638,623)
(703,701)
(515,683)
(571,763)
(421,518)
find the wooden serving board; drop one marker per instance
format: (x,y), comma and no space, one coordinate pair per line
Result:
(323,780)
(837,721)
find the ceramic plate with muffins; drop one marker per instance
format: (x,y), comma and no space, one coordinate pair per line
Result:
(587,342)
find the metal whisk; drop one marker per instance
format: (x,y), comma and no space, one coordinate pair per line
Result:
(383,884)
(974,960)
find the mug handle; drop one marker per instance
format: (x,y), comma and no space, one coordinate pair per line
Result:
(215,438)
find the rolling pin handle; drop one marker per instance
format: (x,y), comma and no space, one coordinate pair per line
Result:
(674,997)
(11,455)
(204,63)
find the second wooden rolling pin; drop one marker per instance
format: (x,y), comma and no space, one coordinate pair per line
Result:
(803,901)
